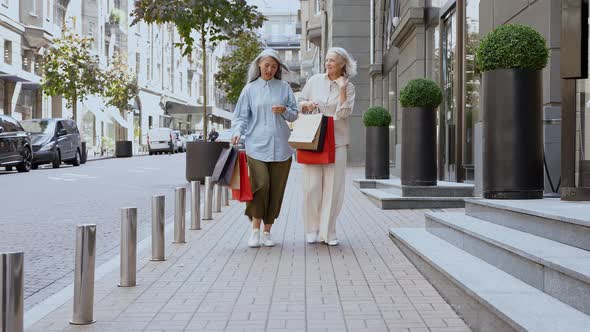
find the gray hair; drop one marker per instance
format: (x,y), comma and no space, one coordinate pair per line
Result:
(254,71)
(349,69)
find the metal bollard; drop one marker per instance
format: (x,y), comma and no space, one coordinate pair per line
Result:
(158,221)
(217,198)
(128,247)
(179,215)
(195,205)
(84,275)
(225,197)
(11,291)
(208,207)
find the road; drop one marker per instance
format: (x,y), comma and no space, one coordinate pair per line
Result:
(39,212)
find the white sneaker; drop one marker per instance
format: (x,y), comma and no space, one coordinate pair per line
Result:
(266,240)
(311,238)
(333,242)
(254,241)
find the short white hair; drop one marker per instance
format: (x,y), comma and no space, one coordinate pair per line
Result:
(349,69)
(254,71)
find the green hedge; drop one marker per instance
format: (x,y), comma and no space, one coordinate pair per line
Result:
(512,46)
(376,117)
(421,93)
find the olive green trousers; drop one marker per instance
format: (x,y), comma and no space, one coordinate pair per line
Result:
(268,180)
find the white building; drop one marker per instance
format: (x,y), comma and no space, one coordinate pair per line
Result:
(169,83)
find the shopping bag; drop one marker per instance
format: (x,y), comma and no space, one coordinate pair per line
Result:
(228,170)
(234,183)
(328,153)
(223,163)
(307,131)
(244,194)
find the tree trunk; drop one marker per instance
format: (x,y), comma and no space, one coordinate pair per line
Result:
(121,132)
(203,47)
(75,109)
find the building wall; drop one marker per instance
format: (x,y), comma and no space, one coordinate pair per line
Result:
(545,17)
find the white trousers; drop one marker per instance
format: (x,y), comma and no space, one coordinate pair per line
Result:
(323,190)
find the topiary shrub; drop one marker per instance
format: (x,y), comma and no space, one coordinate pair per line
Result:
(512,46)
(376,116)
(421,93)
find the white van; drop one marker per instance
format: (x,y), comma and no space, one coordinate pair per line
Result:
(160,140)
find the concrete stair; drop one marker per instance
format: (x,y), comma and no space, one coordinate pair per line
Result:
(391,194)
(508,265)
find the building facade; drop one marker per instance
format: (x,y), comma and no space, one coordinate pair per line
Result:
(438,40)
(340,23)
(170,84)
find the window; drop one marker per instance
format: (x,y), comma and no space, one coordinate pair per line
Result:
(38,64)
(318,7)
(26,60)
(189,83)
(8,52)
(288,56)
(137,65)
(180,80)
(10,125)
(33,11)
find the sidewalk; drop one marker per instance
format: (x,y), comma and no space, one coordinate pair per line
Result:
(215,282)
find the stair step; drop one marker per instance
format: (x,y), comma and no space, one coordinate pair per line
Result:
(559,270)
(388,200)
(551,218)
(485,296)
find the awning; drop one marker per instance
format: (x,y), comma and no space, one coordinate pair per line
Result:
(173,107)
(218,112)
(115,114)
(94,105)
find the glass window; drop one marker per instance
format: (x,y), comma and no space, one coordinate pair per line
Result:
(448,107)
(318,7)
(8,52)
(472,82)
(45,127)
(10,125)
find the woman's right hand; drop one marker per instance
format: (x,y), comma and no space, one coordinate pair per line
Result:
(235,140)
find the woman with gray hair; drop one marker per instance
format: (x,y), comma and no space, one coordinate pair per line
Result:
(263,109)
(333,95)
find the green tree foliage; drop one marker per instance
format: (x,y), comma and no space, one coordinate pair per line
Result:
(120,88)
(70,70)
(213,20)
(233,68)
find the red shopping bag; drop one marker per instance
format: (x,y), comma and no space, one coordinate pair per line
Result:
(244,194)
(328,153)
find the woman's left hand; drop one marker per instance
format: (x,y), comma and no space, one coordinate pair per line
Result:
(278,109)
(342,82)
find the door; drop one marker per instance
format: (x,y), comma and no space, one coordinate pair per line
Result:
(5,142)
(10,140)
(73,136)
(447,116)
(62,141)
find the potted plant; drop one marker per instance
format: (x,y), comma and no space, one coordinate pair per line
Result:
(377,121)
(419,100)
(214,22)
(511,58)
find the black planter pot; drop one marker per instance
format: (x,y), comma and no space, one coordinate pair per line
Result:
(418,146)
(201,158)
(123,149)
(83,153)
(513,134)
(377,153)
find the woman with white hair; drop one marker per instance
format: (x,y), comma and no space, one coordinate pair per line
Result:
(333,95)
(263,109)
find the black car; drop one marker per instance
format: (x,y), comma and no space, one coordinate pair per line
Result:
(54,141)
(15,145)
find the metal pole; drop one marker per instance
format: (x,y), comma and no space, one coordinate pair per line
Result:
(207,209)
(128,247)
(179,215)
(195,205)
(217,198)
(158,221)
(225,197)
(84,275)
(11,291)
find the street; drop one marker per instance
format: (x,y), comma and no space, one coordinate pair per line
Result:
(39,212)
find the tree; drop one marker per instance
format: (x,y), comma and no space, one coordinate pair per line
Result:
(233,68)
(120,87)
(70,70)
(213,20)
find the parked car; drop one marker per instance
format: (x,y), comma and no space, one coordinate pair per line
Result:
(179,141)
(15,145)
(160,140)
(54,141)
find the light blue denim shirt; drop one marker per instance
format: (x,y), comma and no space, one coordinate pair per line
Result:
(266,133)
